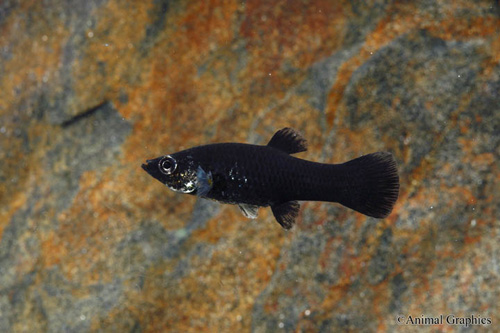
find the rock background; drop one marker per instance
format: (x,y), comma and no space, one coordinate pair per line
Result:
(90,89)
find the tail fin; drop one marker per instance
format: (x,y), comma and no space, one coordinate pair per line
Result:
(373,184)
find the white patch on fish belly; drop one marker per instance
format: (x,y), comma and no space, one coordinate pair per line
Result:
(188,187)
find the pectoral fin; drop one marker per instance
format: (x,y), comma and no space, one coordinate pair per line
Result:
(286,213)
(288,140)
(204,182)
(249,211)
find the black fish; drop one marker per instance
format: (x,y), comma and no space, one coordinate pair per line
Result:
(253,176)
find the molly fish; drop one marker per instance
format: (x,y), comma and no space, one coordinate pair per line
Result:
(253,176)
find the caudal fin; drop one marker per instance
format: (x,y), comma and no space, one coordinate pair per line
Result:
(373,184)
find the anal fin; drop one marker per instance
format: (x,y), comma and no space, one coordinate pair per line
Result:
(249,211)
(286,213)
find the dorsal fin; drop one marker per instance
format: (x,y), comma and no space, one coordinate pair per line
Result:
(288,140)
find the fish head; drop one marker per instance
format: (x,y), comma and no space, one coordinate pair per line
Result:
(176,171)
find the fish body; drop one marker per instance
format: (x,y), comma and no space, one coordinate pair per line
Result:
(255,176)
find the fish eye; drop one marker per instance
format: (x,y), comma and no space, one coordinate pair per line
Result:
(167,165)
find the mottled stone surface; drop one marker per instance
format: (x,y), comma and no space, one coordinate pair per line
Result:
(90,89)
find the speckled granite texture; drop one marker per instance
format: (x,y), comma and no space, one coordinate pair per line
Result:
(90,89)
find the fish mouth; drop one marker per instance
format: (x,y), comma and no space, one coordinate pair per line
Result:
(147,166)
